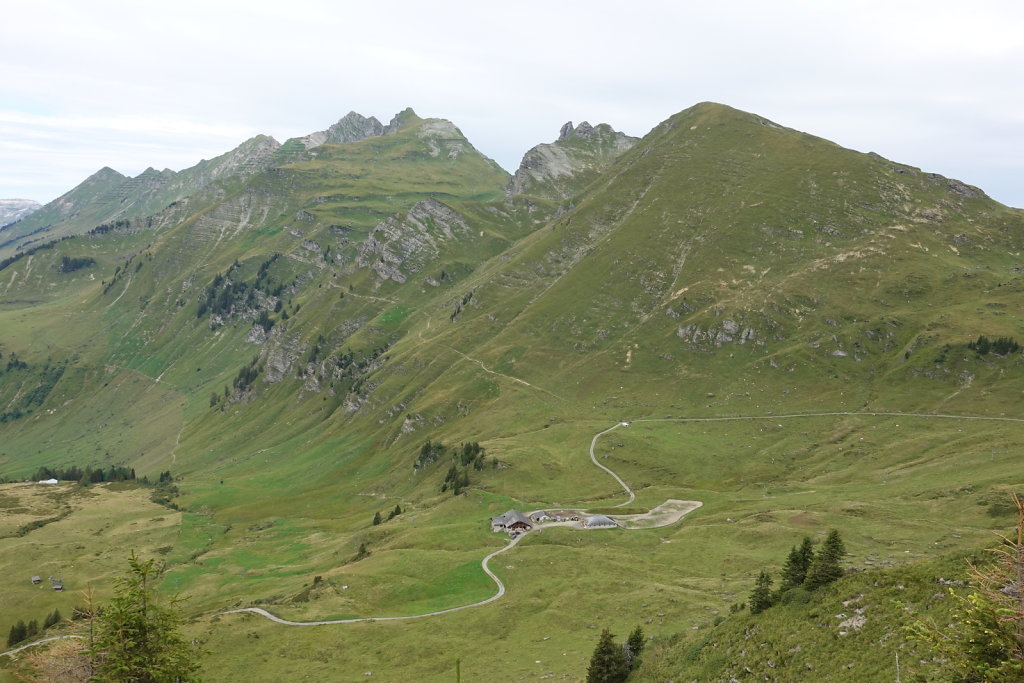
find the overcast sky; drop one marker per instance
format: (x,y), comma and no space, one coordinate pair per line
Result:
(131,84)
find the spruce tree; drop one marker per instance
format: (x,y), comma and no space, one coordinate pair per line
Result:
(797,563)
(376,518)
(634,648)
(139,638)
(761,597)
(52,619)
(608,663)
(985,641)
(17,633)
(825,567)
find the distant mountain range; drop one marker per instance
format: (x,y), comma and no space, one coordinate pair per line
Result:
(15,209)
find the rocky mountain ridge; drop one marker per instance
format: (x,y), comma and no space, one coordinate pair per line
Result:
(560,169)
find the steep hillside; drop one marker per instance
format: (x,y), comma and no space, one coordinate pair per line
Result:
(790,329)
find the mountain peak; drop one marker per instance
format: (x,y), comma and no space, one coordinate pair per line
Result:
(105,173)
(560,169)
(402,119)
(568,131)
(352,127)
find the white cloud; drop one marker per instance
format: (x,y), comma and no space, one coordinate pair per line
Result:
(105,82)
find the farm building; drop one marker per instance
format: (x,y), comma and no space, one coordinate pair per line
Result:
(564,515)
(36,579)
(540,516)
(600,522)
(513,520)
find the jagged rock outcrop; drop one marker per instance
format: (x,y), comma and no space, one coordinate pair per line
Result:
(715,335)
(400,246)
(352,127)
(561,169)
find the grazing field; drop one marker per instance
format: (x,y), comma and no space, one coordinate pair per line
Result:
(882,480)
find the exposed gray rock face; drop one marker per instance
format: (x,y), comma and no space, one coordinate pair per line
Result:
(249,157)
(716,335)
(559,170)
(16,209)
(401,246)
(442,137)
(350,128)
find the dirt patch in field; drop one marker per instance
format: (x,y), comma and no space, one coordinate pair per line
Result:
(669,512)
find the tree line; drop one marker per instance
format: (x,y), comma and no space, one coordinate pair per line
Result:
(86,475)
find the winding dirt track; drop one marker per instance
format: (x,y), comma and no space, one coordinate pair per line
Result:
(674,510)
(593,459)
(326,622)
(483,564)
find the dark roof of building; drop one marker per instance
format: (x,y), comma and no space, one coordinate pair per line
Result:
(510,518)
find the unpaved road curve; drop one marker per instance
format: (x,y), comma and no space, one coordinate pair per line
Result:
(33,644)
(593,443)
(327,622)
(483,564)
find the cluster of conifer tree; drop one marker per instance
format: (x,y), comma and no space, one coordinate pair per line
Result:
(613,662)
(245,378)
(223,295)
(88,475)
(377,519)
(429,453)
(69,264)
(804,570)
(14,363)
(29,252)
(164,490)
(22,631)
(468,455)
(1003,346)
(46,377)
(104,228)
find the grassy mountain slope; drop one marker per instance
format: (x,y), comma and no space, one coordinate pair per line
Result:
(856,630)
(286,342)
